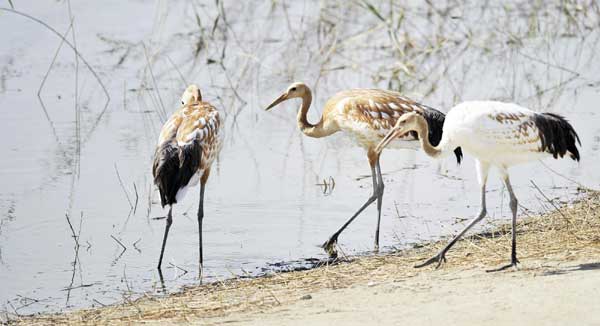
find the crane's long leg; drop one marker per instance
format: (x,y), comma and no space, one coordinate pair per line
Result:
(380,188)
(329,245)
(167,227)
(513,207)
(200,217)
(482,169)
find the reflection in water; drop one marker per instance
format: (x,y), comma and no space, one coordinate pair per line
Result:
(92,161)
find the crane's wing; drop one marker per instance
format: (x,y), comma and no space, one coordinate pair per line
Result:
(200,124)
(199,132)
(509,128)
(379,109)
(185,139)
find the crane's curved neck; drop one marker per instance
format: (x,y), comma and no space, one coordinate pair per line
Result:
(423,132)
(312,130)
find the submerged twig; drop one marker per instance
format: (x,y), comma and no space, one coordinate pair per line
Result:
(120,243)
(43,82)
(77,110)
(135,245)
(164,114)
(179,268)
(185,83)
(149,209)
(76,258)
(50,28)
(137,197)
(123,186)
(74,234)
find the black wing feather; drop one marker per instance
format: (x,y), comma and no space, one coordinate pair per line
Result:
(173,168)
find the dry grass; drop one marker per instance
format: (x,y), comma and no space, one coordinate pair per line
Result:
(571,232)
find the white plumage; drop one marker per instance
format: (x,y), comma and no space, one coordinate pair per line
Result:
(502,134)
(498,134)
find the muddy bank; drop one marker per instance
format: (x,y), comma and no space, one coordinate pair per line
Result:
(556,281)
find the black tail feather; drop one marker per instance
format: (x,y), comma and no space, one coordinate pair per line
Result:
(557,135)
(173,168)
(435,121)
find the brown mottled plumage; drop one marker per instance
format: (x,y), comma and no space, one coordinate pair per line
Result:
(366,115)
(188,144)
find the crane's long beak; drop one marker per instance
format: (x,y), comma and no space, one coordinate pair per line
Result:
(198,96)
(395,132)
(280,99)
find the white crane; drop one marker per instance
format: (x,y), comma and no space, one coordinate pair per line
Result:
(497,134)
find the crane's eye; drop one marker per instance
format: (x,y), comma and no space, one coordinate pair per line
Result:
(182,103)
(293,89)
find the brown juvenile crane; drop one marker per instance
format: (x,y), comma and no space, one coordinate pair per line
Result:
(366,115)
(188,144)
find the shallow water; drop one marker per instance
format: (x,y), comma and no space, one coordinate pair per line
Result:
(263,201)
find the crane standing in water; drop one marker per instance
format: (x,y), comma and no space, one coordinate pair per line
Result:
(497,134)
(366,115)
(188,144)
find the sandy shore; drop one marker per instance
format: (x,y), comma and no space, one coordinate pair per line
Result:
(547,293)
(557,283)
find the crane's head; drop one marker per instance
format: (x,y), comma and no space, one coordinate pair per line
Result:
(406,123)
(191,95)
(295,90)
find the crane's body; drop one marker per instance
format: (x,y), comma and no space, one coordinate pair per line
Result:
(188,144)
(497,134)
(193,130)
(366,115)
(503,134)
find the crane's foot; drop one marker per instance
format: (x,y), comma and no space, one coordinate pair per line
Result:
(162,281)
(439,259)
(376,248)
(513,264)
(329,247)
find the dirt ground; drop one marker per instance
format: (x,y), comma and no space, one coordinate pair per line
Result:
(557,283)
(545,292)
